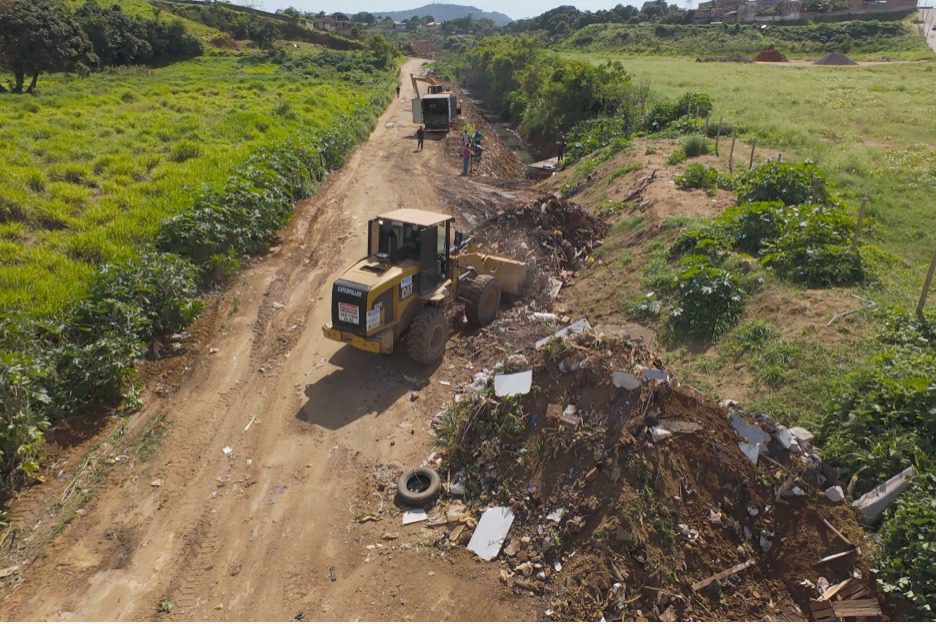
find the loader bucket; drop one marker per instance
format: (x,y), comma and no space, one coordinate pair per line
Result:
(511,274)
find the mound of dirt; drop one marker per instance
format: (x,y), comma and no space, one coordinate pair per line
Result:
(770,55)
(835,58)
(554,236)
(630,493)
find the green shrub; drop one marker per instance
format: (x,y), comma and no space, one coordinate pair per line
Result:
(659,116)
(907,558)
(163,287)
(789,183)
(695,145)
(704,239)
(709,299)
(884,422)
(676,157)
(813,248)
(753,224)
(699,176)
(699,104)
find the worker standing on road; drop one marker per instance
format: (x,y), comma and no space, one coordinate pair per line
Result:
(398,90)
(420,137)
(466,159)
(560,147)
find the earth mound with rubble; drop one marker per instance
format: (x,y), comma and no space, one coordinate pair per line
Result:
(770,55)
(621,494)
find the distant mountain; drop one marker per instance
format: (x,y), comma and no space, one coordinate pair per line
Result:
(446,12)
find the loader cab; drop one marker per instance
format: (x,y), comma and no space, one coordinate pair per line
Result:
(413,237)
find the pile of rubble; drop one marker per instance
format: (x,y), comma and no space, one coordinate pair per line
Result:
(593,478)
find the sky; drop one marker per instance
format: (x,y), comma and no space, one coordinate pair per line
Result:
(516,9)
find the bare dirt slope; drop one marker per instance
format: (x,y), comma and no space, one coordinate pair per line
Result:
(271,528)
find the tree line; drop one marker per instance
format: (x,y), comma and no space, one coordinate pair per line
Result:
(44,36)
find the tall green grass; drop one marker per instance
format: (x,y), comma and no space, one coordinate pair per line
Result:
(92,166)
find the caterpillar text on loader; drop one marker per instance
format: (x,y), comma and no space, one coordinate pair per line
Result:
(437,109)
(418,274)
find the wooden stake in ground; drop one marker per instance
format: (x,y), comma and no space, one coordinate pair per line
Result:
(731,154)
(718,134)
(750,164)
(857,236)
(926,286)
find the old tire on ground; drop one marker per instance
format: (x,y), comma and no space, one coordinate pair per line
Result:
(419,486)
(482,295)
(428,334)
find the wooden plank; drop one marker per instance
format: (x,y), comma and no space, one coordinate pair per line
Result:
(857,608)
(844,553)
(848,592)
(837,533)
(853,612)
(834,589)
(722,575)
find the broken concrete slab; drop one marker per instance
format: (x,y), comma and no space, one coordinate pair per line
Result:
(659,434)
(680,426)
(835,494)
(578,327)
(803,436)
(625,380)
(655,374)
(751,451)
(489,536)
(751,433)
(872,504)
(511,385)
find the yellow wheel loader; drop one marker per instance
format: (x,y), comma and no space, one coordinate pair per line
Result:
(418,276)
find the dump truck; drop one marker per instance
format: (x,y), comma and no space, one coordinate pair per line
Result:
(437,109)
(418,277)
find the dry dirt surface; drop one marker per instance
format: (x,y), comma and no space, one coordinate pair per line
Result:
(248,487)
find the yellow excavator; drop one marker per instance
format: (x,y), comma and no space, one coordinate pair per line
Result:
(418,276)
(438,109)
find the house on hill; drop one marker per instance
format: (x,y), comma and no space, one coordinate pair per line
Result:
(329,23)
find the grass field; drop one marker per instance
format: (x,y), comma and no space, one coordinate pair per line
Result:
(872,127)
(91,166)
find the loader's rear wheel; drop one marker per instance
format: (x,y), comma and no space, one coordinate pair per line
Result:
(427,336)
(482,296)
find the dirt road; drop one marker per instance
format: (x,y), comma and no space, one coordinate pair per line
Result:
(270,529)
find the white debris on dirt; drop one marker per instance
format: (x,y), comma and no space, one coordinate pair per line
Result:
(512,385)
(491,532)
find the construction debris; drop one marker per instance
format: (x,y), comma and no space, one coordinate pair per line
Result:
(722,575)
(578,327)
(873,503)
(411,516)
(599,486)
(491,532)
(512,385)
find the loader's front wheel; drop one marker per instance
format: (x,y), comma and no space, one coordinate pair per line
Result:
(482,296)
(427,336)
